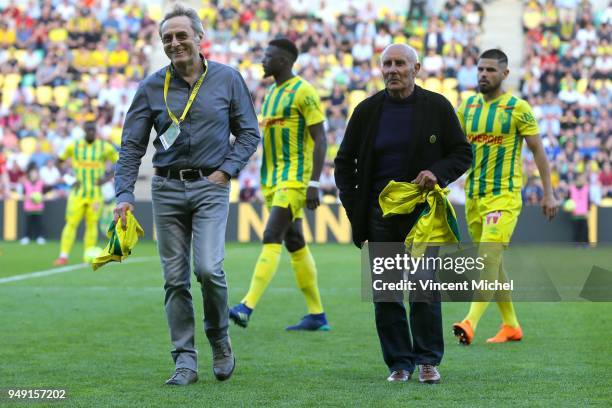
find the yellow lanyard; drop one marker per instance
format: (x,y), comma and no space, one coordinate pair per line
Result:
(194,92)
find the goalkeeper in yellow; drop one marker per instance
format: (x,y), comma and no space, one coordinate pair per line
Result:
(496,123)
(293,154)
(88,157)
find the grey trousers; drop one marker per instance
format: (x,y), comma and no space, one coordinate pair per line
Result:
(190,218)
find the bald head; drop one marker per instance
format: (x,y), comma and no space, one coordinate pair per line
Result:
(400,66)
(410,53)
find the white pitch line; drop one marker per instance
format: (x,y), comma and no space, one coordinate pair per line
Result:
(64,269)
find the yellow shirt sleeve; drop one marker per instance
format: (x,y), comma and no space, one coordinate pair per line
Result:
(309,105)
(526,124)
(110,153)
(68,152)
(460,114)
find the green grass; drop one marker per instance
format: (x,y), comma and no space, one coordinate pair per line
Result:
(102,337)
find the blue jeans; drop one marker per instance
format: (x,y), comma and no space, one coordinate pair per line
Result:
(190,219)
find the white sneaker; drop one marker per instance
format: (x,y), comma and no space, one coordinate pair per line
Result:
(41,241)
(24,241)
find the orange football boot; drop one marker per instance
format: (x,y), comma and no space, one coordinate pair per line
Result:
(464,332)
(60,261)
(507,333)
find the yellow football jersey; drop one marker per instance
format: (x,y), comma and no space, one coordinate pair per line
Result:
(89,164)
(495,129)
(288,110)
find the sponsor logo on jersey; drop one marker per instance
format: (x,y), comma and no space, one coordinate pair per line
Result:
(486,139)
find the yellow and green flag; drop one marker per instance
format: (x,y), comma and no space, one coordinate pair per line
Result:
(121,241)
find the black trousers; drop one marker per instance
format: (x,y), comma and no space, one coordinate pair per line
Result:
(405,341)
(34,225)
(581,230)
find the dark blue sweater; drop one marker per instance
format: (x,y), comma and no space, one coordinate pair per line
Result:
(391,145)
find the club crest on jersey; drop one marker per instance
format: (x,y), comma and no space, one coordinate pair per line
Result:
(504,118)
(492,218)
(310,101)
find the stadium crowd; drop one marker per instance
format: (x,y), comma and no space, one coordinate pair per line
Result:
(340,54)
(566,78)
(67,61)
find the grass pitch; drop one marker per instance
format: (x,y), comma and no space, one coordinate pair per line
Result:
(102,336)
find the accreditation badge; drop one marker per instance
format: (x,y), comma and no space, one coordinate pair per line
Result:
(168,138)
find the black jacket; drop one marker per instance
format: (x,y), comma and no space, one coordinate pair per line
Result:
(439,145)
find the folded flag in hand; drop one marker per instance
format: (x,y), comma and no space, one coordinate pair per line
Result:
(437,222)
(121,241)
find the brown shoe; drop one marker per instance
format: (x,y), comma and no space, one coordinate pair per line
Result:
(399,376)
(428,374)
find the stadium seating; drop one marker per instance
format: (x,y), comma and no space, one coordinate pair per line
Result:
(78,56)
(102,65)
(555,42)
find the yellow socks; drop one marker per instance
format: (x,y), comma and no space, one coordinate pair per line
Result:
(504,303)
(68,236)
(508,314)
(306,276)
(477,309)
(90,237)
(265,268)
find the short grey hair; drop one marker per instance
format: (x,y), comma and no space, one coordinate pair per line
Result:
(179,10)
(410,51)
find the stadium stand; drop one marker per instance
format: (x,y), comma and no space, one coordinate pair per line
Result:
(66,61)
(340,53)
(566,78)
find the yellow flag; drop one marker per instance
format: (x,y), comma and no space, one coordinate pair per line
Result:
(121,241)
(437,223)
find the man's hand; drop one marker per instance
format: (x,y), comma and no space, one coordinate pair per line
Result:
(76,185)
(120,211)
(312,198)
(549,206)
(425,179)
(219,177)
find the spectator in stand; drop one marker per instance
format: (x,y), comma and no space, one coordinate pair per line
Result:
(564,52)
(249,181)
(433,63)
(467,75)
(3,175)
(327,182)
(532,192)
(579,195)
(419,7)
(50,176)
(15,176)
(248,192)
(363,50)
(33,206)
(605,179)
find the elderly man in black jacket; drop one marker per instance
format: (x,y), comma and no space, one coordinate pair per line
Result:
(403,133)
